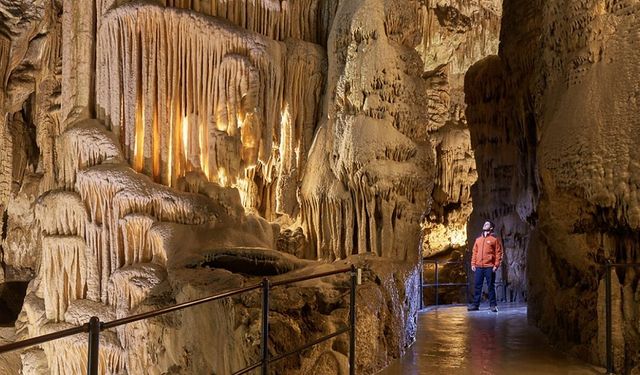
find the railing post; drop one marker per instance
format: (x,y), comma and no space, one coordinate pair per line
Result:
(94,342)
(609,345)
(437,282)
(265,326)
(352,323)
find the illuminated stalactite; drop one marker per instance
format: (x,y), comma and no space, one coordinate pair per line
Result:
(5,137)
(219,96)
(307,20)
(196,79)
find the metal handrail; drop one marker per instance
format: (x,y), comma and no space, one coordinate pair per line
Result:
(438,284)
(94,326)
(608,317)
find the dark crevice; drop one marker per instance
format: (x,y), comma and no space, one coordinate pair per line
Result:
(248,264)
(11,298)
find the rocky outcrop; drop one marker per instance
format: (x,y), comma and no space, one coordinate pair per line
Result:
(455,35)
(156,152)
(561,126)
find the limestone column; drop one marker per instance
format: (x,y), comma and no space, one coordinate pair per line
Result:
(78,63)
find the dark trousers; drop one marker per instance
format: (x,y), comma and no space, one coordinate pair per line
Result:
(481,274)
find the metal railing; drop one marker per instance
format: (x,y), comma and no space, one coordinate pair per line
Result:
(608,317)
(437,284)
(95,326)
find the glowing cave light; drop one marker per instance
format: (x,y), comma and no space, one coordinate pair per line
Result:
(222,177)
(185,136)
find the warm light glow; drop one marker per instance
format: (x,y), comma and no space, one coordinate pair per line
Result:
(204,154)
(242,184)
(185,137)
(170,159)
(222,177)
(286,135)
(138,150)
(440,237)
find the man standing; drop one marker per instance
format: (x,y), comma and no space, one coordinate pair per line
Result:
(485,261)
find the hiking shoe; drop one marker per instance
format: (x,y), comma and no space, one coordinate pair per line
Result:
(472,308)
(494,308)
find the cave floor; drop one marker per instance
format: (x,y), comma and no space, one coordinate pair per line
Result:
(452,341)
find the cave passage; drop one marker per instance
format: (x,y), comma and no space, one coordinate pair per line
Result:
(11,298)
(451,340)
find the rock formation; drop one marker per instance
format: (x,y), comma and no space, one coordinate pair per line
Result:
(456,35)
(157,152)
(154,152)
(554,117)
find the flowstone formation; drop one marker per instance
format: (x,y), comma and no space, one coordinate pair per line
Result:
(145,144)
(556,114)
(456,35)
(395,109)
(157,152)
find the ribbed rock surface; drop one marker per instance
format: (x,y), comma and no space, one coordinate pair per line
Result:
(557,115)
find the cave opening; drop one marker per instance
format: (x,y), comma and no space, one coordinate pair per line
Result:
(12,295)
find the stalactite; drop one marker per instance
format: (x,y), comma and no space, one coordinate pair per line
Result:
(5,138)
(455,166)
(85,144)
(303,90)
(463,32)
(61,212)
(122,205)
(48,130)
(178,50)
(5,49)
(63,273)
(307,20)
(6,160)
(98,261)
(217,102)
(134,229)
(69,355)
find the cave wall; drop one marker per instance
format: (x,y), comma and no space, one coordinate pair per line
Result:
(140,140)
(123,131)
(456,35)
(561,100)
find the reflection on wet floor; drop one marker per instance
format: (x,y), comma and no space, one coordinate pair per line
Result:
(452,341)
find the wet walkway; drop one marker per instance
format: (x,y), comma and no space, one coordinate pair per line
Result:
(452,341)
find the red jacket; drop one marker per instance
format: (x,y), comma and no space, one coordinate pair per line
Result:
(487,251)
